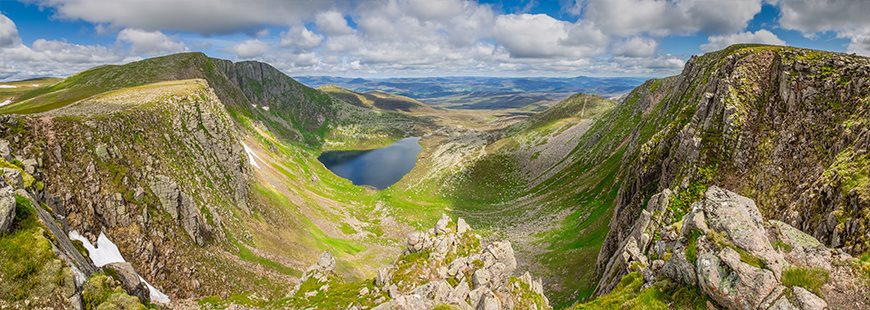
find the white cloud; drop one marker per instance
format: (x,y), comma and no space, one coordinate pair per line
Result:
(661,18)
(762,36)
(250,48)
(847,19)
(201,16)
(438,10)
(859,44)
(8,32)
(332,22)
(635,47)
(531,36)
(395,37)
(150,42)
(301,37)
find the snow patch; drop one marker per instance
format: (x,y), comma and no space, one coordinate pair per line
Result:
(8,86)
(8,101)
(265,108)
(252,156)
(107,252)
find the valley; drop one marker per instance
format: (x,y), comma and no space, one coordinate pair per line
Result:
(209,177)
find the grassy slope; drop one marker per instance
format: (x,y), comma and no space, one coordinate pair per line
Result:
(29,269)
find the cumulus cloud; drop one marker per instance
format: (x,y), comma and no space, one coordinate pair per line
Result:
(399,37)
(301,37)
(250,48)
(49,57)
(201,16)
(635,47)
(8,32)
(762,36)
(149,42)
(847,19)
(333,22)
(531,36)
(661,18)
(439,10)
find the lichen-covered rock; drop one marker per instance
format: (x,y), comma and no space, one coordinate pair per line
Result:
(13,177)
(726,249)
(784,126)
(7,209)
(129,280)
(439,267)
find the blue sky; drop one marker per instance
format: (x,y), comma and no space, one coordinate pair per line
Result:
(383,38)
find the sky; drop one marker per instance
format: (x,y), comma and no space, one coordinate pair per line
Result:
(407,38)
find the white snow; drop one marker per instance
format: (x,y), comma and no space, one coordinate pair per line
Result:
(107,252)
(8,101)
(265,108)
(8,86)
(34,85)
(252,156)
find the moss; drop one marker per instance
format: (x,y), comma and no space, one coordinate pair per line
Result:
(28,266)
(26,177)
(782,246)
(660,295)
(750,259)
(811,279)
(103,292)
(525,297)
(692,246)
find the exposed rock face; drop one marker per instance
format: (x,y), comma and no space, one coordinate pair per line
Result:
(7,209)
(129,280)
(156,178)
(779,125)
(725,247)
(181,207)
(439,267)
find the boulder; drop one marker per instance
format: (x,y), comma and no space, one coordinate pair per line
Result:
(461,226)
(7,209)
(5,150)
(808,301)
(441,226)
(13,177)
(29,165)
(129,279)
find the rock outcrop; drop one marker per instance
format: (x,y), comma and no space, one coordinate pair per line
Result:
(786,127)
(7,209)
(443,266)
(739,260)
(129,280)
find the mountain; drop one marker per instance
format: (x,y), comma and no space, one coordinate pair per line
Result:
(740,183)
(376,99)
(483,92)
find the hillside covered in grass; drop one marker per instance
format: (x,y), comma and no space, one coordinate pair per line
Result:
(204,173)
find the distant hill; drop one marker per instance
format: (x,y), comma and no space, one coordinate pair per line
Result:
(483,92)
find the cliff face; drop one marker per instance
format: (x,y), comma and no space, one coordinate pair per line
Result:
(784,126)
(157,168)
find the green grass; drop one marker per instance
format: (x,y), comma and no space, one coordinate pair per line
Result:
(246,254)
(102,292)
(661,295)
(28,266)
(692,246)
(811,279)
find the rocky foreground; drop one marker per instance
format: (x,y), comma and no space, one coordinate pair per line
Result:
(737,259)
(444,268)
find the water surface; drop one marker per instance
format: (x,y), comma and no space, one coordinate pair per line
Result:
(378,168)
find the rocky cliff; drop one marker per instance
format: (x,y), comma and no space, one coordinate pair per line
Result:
(734,257)
(443,268)
(784,126)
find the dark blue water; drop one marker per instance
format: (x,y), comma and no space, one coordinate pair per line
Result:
(378,168)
